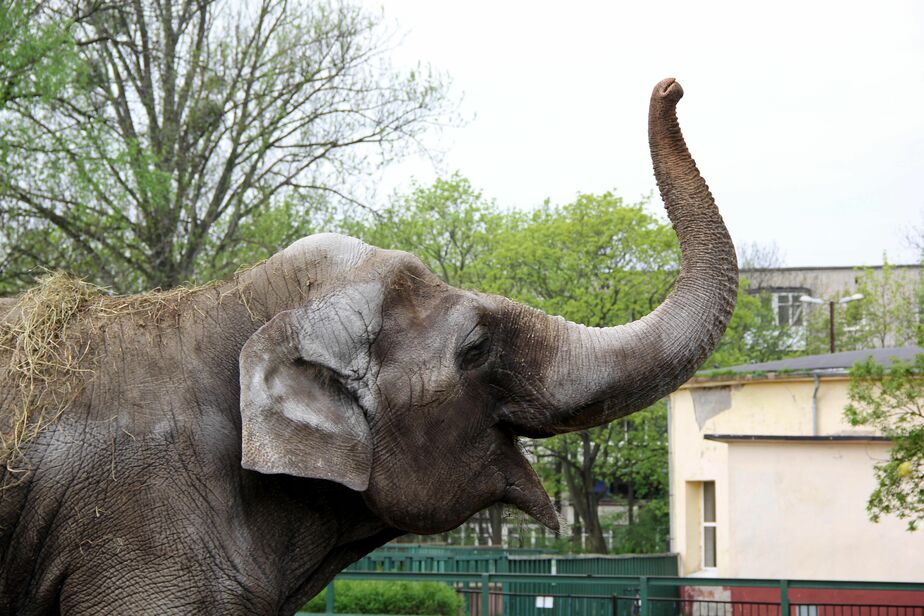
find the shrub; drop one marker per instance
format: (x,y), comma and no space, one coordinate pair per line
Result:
(649,533)
(362,597)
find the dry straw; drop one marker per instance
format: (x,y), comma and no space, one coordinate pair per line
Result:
(45,337)
(43,364)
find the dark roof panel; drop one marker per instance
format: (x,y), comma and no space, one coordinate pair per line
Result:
(830,361)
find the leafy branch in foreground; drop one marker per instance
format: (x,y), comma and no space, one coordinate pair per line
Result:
(891,400)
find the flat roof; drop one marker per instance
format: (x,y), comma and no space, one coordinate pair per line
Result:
(829,362)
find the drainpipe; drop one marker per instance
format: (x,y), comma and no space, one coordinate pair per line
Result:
(815,406)
(670,483)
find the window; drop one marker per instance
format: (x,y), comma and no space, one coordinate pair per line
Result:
(788,308)
(709,528)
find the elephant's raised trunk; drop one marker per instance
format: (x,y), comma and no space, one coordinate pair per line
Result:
(594,375)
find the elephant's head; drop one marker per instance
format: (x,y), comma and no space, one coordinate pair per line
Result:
(397,385)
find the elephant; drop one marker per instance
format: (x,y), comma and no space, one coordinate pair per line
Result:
(231,448)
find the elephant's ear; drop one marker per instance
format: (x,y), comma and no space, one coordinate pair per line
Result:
(298,419)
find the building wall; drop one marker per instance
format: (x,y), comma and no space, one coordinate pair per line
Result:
(783,509)
(824,282)
(798,510)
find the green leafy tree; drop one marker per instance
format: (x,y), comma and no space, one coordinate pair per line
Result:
(584,459)
(449,225)
(891,400)
(186,129)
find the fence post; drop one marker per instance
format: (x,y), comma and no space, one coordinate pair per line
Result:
(485,594)
(643,596)
(784,597)
(330,598)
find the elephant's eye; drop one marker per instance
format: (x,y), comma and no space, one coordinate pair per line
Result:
(474,355)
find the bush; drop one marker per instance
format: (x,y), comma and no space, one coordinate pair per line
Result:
(361,597)
(649,533)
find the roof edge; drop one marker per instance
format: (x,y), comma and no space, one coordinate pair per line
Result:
(733,377)
(796,438)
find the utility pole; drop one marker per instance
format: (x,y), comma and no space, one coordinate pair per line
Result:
(808,299)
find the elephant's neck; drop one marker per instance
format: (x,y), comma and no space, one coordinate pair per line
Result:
(309,530)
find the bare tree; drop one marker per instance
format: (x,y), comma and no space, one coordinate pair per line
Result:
(192,119)
(755,259)
(914,238)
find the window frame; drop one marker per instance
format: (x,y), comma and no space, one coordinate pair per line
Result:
(792,296)
(704,524)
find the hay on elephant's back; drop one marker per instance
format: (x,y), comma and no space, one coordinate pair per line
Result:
(44,340)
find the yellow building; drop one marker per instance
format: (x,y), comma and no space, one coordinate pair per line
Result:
(768,480)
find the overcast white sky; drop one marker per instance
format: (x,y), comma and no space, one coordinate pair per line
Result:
(806,118)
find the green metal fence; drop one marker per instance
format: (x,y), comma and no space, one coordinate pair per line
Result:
(519,597)
(626,595)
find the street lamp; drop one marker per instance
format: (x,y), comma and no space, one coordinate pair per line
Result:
(808,299)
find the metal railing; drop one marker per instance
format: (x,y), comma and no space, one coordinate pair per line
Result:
(553,595)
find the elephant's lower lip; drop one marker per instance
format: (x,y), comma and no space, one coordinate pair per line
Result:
(534,503)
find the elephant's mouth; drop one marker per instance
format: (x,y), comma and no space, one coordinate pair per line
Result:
(524,490)
(533,502)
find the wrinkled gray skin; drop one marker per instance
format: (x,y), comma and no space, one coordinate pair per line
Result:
(219,464)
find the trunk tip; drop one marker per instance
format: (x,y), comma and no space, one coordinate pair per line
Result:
(668,89)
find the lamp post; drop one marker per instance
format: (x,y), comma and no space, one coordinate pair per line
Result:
(808,299)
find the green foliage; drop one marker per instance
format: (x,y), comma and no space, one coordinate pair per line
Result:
(596,261)
(38,60)
(639,458)
(630,453)
(648,534)
(37,56)
(887,315)
(891,400)
(449,225)
(369,597)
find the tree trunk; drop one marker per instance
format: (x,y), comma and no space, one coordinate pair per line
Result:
(597,545)
(581,488)
(496,518)
(577,503)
